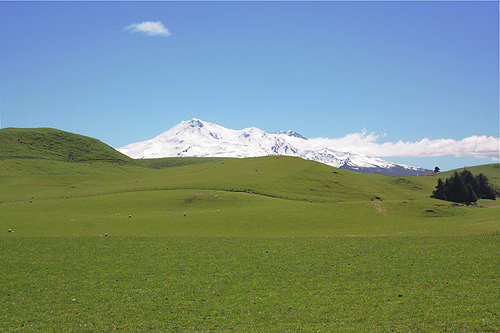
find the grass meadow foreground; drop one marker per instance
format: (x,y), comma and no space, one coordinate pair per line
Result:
(372,284)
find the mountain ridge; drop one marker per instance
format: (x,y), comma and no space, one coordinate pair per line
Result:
(198,138)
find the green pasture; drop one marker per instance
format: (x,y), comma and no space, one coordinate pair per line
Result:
(194,284)
(209,213)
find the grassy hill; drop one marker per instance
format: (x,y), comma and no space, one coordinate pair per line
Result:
(169,162)
(39,160)
(53,144)
(282,177)
(427,183)
(33,161)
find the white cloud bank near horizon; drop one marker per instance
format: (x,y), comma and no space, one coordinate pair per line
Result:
(366,143)
(149,28)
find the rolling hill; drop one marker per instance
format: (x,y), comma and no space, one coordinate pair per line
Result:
(53,144)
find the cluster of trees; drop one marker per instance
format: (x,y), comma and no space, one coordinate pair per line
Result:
(464,187)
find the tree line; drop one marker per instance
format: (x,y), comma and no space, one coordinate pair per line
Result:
(464,187)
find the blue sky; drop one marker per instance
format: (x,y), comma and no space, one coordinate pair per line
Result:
(406,81)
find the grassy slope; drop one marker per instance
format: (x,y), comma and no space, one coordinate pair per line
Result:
(52,144)
(286,177)
(161,213)
(169,162)
(26,178)
(33,161)
(39,160)
(427,183)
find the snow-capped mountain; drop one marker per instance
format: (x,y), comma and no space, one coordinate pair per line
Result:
(202,139)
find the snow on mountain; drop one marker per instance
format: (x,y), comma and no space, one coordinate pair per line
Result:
(290,133)
(197,138)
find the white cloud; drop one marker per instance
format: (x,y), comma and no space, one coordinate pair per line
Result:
(364,143)
(149,28)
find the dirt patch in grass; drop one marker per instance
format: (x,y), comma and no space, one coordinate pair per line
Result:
(194,197)
(379,208)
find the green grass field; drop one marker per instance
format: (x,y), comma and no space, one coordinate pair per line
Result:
(403,284)
(102,242)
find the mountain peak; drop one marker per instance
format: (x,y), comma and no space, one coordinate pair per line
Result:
(197,138)
(195,122)
(291,133)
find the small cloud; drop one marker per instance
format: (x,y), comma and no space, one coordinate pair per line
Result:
(149,28)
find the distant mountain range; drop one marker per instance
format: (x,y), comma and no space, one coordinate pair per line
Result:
(197,138)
